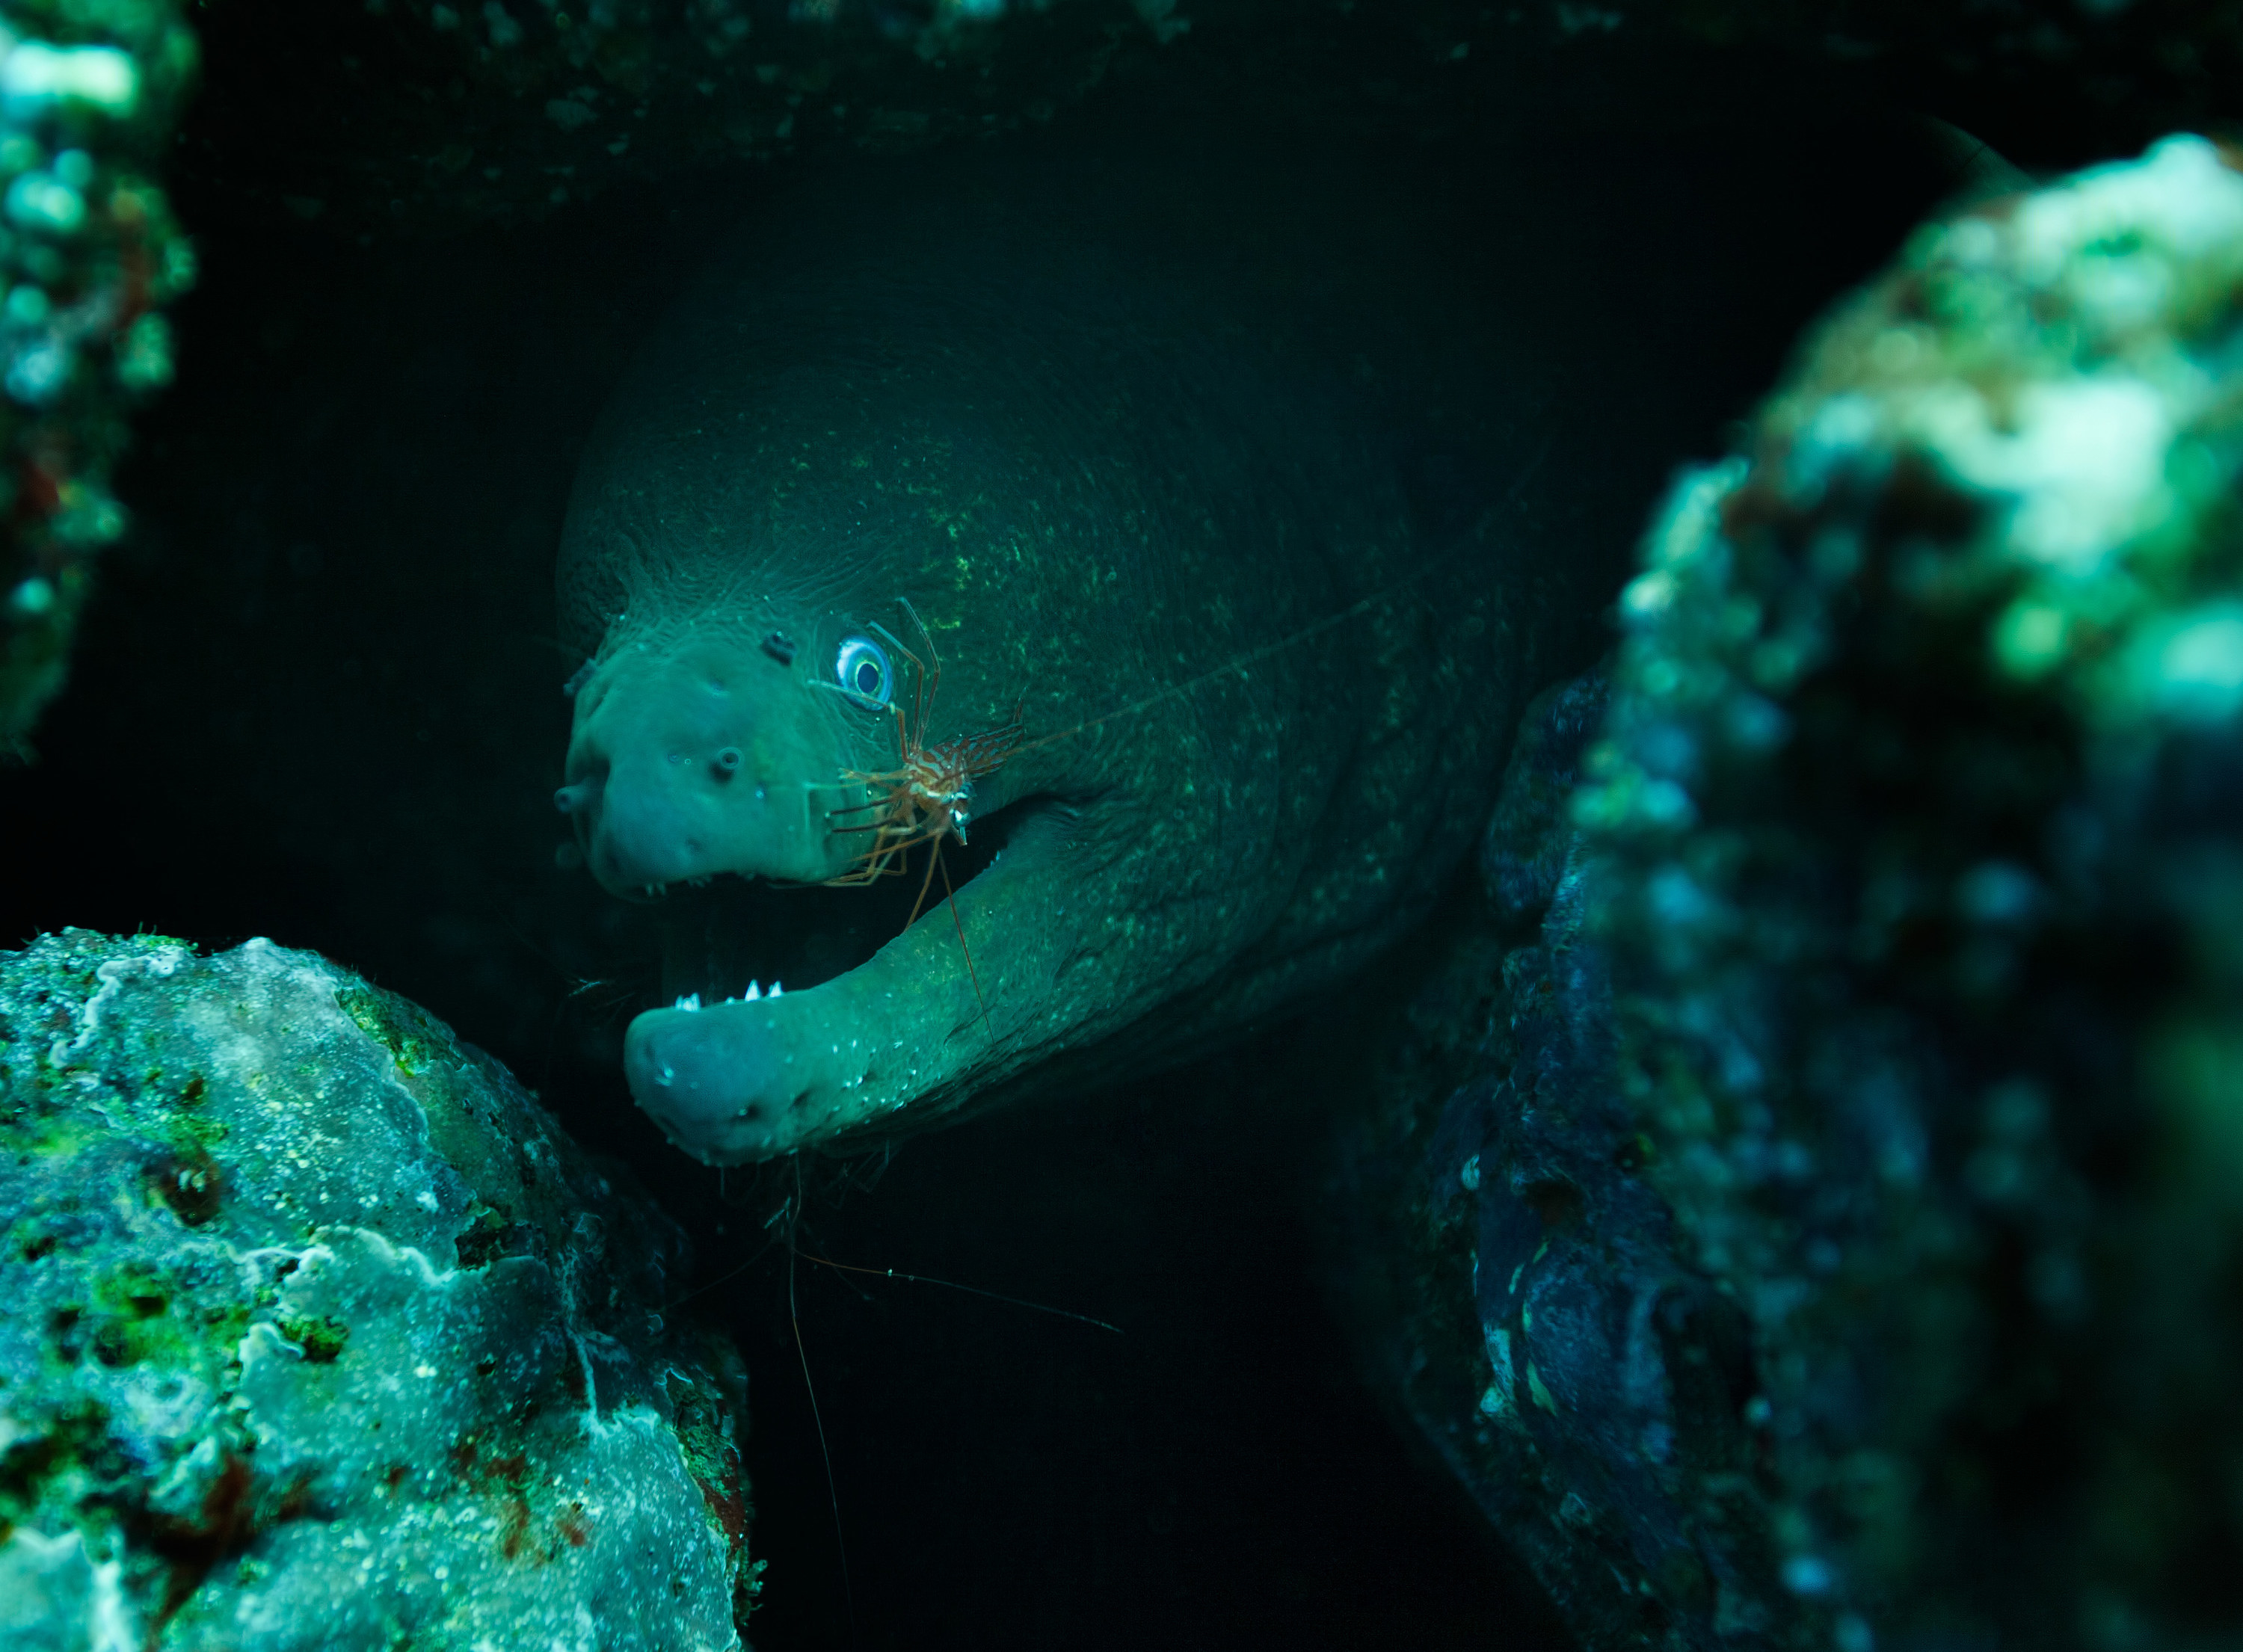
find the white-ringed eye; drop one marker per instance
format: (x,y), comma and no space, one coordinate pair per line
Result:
(863,671)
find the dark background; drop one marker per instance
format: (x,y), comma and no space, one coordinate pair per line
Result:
(318,700)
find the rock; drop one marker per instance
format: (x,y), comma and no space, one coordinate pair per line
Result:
(320,1333)
(1524,1292)
(90,258)
(425,115)
(1916,818)
(1831,1205)
(464,114)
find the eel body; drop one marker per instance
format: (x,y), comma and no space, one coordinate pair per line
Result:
(1183,478)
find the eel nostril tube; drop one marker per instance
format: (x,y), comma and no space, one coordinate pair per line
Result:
(573,800)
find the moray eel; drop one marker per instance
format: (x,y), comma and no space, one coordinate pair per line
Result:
(1121,463)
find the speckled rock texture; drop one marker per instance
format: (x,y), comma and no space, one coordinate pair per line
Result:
(90,257)
(318,1333)
(1828,1237)
(1524,1290)
(1916,819)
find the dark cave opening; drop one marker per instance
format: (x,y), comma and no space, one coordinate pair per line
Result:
(316,701)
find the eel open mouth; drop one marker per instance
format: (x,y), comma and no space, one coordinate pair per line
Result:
(733,1072)
(730,933)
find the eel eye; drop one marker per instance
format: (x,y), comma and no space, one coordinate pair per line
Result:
(862,669)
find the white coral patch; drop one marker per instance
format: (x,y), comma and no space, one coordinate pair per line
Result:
(34,77)
(2181,196)
(2083,460)
(53,1594)
(2190,667)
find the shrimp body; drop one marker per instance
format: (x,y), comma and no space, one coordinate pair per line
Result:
(923,799)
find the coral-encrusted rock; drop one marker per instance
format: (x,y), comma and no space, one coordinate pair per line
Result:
(1524,1292)
(1917,830)
(318,1332)
(90,259)
(1821,1165)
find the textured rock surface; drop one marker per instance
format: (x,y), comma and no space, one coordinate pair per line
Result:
(1836,1221)
(89,258)
(1917,819)
(458,113)
(1523,1289)
(319,1334)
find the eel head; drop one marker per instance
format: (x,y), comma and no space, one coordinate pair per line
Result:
(711,761)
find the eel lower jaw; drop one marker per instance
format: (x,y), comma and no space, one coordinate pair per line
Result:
(719,1081)
(735,1073)
(749,1078)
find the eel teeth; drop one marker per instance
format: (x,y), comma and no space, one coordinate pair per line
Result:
(690,1001)
(755,992)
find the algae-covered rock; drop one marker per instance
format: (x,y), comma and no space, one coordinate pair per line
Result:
(318,1332)
(1525,1293)
(372,117)
(1916,821)
(1838,1204)
(89,256)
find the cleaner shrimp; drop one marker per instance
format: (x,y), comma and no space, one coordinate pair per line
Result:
(923,799)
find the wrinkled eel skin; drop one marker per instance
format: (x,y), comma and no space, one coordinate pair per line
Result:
(1107,428)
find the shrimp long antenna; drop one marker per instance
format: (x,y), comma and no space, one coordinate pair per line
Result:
(832,1492)
(926,882)
(725,1278)
(1353,611)
(950,898)
(970,1290)
(1237,662)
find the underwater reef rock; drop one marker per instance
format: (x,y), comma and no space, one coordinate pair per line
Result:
(318,1332)
(2057,82)
(376,117)
(89,258)
(1915,829)
(1522,1291)
(1897,956)
(461,114)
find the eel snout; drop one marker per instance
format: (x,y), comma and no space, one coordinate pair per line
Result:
(670,777)
(643,827)
(720,1081)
